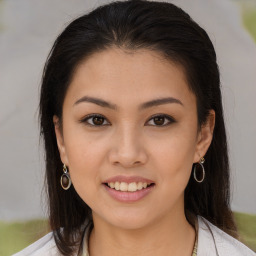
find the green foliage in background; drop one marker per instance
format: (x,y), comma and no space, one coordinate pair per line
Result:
(15,236)
(249,16)
(18,235)
(246,224)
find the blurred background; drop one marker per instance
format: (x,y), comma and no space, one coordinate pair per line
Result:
(28,29)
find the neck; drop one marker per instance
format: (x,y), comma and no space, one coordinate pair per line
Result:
(169,235)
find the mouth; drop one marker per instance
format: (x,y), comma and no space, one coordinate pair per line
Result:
(128,187)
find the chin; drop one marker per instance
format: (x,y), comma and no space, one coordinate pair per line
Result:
(130,220)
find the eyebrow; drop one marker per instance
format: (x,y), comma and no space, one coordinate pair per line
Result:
(148,104)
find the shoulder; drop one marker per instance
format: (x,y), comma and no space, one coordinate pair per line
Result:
(213,241)
(44,246)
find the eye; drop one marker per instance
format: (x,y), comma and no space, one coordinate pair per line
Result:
(161,120)
(94,120)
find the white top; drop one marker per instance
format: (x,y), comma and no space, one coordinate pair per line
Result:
(211,242)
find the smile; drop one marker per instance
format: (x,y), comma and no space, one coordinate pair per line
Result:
(130,187)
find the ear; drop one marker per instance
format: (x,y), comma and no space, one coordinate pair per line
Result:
(205,136)
(60,140)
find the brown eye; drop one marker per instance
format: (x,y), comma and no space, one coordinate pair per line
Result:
(94,120)
(161,120)
(98,120)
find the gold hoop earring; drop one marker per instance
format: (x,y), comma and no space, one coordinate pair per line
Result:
(202,176)
(65,179)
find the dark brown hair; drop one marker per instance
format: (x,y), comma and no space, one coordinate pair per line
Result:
(132,25)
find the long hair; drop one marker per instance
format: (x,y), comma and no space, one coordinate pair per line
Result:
(133,25)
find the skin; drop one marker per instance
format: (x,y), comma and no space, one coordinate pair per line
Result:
(132,143)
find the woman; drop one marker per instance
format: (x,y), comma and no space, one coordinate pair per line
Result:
(135,142)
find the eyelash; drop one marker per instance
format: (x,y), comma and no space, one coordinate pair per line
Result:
(86,118)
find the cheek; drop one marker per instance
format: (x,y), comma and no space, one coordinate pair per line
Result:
(85,157)
(177,147)
(81,146)
(174,157)
(175,165)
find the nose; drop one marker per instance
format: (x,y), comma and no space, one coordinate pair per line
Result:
(127,148)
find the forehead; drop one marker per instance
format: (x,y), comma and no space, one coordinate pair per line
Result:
(133,75)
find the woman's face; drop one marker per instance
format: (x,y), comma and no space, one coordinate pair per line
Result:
(145,133)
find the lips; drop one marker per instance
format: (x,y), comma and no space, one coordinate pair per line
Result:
(128,189)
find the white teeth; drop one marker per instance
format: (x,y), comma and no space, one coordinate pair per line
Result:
(139,186)
(123,186)
(117,185)
(131,187)
(111,184)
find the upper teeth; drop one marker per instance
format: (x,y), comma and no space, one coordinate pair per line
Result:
(123,186)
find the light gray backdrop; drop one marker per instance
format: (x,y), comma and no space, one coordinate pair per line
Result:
(27,31)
